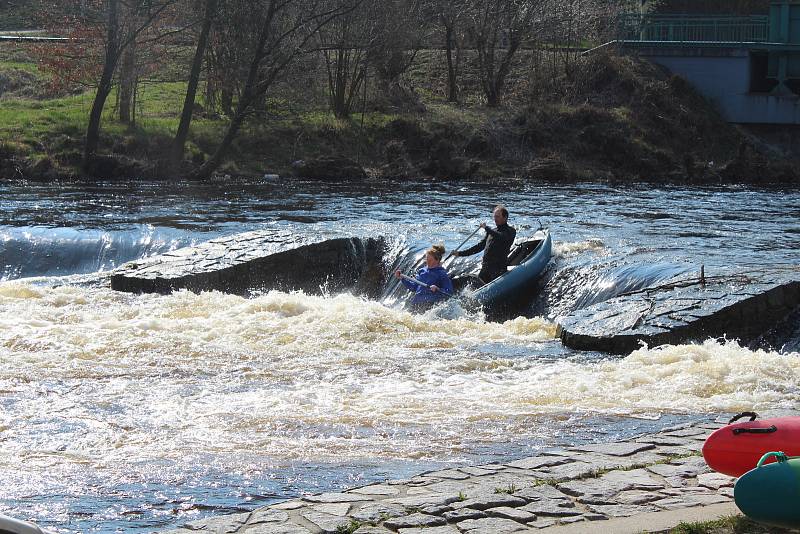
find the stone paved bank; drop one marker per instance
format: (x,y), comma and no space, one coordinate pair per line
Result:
(591,483)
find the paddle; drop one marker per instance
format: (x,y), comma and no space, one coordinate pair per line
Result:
(462,244)
(423,284)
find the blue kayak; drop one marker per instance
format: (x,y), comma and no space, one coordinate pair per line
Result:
(526,263)
(770,492)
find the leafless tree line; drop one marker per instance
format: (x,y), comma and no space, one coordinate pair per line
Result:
(242,49)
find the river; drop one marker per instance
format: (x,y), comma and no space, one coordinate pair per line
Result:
(134,413)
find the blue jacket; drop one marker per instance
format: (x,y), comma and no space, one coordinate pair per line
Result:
(432,277)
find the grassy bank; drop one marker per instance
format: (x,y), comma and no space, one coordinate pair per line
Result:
(728,525)
(614,118)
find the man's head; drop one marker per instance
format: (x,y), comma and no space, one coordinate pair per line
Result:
(500,215)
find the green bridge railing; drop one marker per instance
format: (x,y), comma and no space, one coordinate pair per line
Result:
(684,28)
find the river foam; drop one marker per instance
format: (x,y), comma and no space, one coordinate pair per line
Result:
(103,376)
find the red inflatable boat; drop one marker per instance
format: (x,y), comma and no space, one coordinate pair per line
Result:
(736,449)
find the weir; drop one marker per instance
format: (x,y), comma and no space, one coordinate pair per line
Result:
(756,307)
(744,306)
(266,259)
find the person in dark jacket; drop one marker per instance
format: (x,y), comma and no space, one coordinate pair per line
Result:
(496,245)
(435,284)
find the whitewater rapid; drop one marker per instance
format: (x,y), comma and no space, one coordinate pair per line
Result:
(94,375)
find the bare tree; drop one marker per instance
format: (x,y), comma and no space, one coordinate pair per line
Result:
(128,80)
(208,9)
(401,33)
(345,44)
(497,29)
(274,34)
(123,21)
(449,16)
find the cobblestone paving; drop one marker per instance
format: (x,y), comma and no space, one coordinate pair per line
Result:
(662,471)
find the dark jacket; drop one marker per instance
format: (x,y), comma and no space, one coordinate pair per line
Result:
(497,244)
(431,277)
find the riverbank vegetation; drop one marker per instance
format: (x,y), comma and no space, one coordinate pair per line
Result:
(346,89)
(734,524)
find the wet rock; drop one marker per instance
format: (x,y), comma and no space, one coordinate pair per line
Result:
(741,306)
(259,260)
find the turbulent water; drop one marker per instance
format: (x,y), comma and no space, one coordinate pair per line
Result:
(124,412)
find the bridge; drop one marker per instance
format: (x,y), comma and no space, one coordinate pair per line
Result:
(748,66)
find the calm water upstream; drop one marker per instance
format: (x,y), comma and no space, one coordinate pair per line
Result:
(134,413)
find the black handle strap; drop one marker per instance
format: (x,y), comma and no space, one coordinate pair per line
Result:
(768,430)
(752,415)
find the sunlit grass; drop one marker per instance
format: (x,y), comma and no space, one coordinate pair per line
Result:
(19,65)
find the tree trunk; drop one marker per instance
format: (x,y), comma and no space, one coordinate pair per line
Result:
(216,159)
(127,83)
(250,91)
(452,86)
(104,88)
(226,100)
(179,143)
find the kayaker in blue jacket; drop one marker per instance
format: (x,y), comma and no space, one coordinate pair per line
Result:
(434,283)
